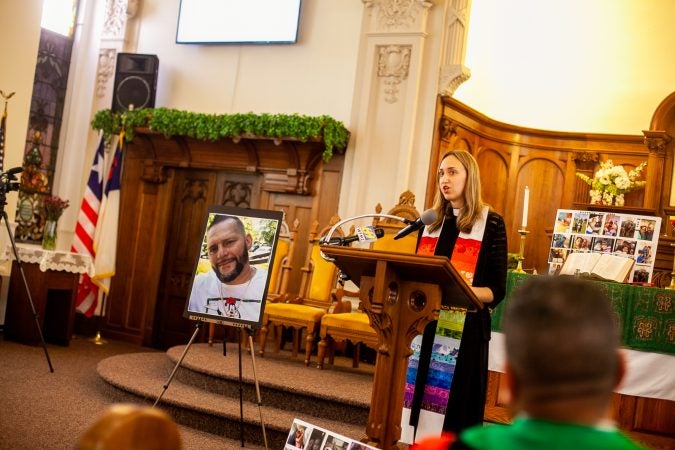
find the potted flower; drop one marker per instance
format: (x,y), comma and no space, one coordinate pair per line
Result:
(610,183)
(53,206)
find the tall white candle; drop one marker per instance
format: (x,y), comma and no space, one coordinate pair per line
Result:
(526,204)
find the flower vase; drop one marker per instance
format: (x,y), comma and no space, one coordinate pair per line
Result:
(49,235)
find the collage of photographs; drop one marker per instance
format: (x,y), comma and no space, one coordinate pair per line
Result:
(621,234)
(304,435)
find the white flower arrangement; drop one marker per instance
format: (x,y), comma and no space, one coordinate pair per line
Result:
(610,183)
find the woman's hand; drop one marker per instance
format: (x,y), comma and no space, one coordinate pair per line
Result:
(484,294)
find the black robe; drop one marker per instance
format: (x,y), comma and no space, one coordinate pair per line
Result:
(466,404)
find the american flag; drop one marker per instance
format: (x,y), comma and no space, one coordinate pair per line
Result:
(83,241)
(105,239)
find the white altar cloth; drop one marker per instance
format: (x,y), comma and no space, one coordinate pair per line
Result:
(650,375)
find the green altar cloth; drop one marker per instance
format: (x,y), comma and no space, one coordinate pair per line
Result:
(646,315)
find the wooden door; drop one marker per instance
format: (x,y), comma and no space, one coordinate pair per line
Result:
(194,192)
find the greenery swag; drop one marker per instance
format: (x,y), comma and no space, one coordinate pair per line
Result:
(212,127)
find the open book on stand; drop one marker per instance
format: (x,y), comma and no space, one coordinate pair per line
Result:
(601,266)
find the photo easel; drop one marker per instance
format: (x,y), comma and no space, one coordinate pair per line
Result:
(249,332)
(229,238)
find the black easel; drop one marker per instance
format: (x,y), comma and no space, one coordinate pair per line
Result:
(8,182)
(198,325)
(249,330)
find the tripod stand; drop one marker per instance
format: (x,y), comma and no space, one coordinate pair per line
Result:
(249,331)
(8,182)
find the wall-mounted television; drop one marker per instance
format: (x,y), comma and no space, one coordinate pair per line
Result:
(238,21)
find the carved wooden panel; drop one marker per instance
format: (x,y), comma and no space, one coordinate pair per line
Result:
(167,186)
(496,167)
(194,192)
(546,178)
(512,157)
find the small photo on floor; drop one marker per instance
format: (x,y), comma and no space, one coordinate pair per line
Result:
(298,436)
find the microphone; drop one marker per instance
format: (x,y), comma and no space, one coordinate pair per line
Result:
(379,232)
(428,217)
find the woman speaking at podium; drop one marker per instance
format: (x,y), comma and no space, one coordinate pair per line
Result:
(474,238)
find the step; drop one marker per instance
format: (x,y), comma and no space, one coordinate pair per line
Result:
(204,392)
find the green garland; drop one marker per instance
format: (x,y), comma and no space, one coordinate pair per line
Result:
(212,127)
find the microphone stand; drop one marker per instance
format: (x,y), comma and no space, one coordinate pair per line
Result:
(326,238)
(8,183)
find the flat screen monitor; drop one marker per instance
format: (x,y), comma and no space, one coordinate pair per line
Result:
(234,265)
(238,21)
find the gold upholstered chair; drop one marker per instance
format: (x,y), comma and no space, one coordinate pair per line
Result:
(304,312)
(405,208)
(354,326)
(281,267)
(283,261)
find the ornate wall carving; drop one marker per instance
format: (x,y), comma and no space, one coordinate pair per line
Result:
(393,65)
(453,71)
(114,25)
(399,15)
(105,70)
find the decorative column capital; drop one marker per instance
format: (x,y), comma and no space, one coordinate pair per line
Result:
(154,173)
(398,15)
(656,141)
(453,51)
(585,162)
(451,77)
(446,128)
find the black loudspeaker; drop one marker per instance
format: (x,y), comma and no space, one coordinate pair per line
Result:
(135,81)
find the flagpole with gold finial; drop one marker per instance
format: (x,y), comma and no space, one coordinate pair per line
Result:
(3,128)
(98,340)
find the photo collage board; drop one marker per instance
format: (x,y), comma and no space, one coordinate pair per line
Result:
(624,234)
(306,436)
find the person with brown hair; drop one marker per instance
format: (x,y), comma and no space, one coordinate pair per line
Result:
(562,364)
(127,426)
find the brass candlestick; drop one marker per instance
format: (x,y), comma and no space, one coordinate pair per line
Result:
(521,253)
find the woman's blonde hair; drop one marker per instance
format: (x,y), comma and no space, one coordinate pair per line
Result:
(473,201)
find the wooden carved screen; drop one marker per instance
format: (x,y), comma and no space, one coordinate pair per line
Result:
(512,157)
(167,186)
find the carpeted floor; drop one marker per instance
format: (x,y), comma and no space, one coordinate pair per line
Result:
(43,410)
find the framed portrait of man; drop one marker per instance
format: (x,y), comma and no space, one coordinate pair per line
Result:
(234,265)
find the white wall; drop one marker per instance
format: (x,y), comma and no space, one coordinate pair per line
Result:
(573,65)
(19,39)
(314,76)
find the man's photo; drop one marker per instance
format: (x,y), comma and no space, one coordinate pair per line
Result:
(232,272)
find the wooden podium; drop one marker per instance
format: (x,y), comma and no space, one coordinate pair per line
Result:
(400,293)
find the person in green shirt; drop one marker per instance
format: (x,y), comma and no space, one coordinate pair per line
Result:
(562,364)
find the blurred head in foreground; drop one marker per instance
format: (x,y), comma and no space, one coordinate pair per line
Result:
(133,427)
